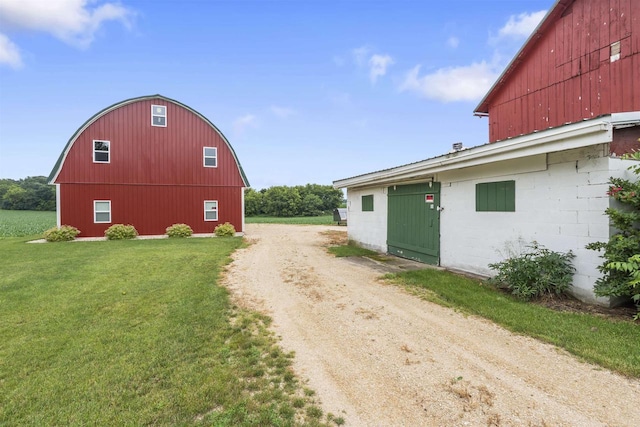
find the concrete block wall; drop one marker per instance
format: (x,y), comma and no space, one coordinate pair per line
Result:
(561,207)
(560,203)
(368,229)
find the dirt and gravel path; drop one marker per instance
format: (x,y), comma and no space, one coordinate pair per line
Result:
(380,357)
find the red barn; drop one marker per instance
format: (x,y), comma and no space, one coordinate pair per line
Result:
(150,162)
(582,62)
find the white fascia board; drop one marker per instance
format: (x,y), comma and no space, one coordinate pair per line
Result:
(562,138)
(631,118)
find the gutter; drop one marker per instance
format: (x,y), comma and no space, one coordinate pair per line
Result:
(557,139)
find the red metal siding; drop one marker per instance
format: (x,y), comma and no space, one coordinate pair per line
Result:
(568,76)
(625,140)
(144,154)
(155,177)
(149,208)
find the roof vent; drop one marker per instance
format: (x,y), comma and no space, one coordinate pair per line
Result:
(457,146)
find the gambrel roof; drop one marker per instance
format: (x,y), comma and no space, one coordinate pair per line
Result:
(59,163)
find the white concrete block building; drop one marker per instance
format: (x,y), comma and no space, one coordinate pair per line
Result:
(557,184)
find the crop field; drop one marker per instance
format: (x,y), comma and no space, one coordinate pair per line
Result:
(25,223)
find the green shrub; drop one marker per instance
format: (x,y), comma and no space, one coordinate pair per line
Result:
(535,272)
(62,234)
(225,230)
(121,232)
(179,230)
(620,267)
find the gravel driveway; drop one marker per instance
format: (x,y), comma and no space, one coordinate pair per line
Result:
(378,356)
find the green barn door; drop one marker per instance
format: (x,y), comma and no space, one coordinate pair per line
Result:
(414,222)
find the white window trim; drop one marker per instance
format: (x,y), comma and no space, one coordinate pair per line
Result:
(93,152)
(96,211)
(154,114)
(205,157)
(58,213)
(205,210)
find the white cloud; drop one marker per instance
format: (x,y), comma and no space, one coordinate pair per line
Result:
(364,57)
(71,21)
(9,53)
(282,112)
(522,25)
(360,55)
(464,83)
(246,121)
(470,82)
(378,65)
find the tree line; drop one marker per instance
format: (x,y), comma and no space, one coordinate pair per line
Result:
(301,200)
(31,193)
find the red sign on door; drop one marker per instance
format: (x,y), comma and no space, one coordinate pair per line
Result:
(428,198)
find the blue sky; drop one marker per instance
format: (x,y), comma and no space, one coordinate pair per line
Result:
(305,91)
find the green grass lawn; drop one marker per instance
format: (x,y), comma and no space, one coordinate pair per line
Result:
(308,220)
(137,333)
(25,223)
(609,343)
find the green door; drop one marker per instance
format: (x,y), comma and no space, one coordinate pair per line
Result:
(413,224)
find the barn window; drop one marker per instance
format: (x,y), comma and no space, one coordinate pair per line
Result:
(367,203)
(100,151)
(159,115)
(496,196)
(101,211)
(210,210)
(615,52)
(210,155)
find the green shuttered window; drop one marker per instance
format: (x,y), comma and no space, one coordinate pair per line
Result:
(496,196)
(367,203)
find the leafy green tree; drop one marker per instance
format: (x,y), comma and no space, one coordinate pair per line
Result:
(30,193)
(16,198)
(301,200)
(620,269)
(282,201)
(253,202)
(5,184)
(311,205)
(330,197)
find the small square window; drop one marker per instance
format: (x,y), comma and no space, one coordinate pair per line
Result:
(210,157)
(211,210)
(496,196)
(367,203)
(100,151)
(159,115)
(614,52)
(102,211)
